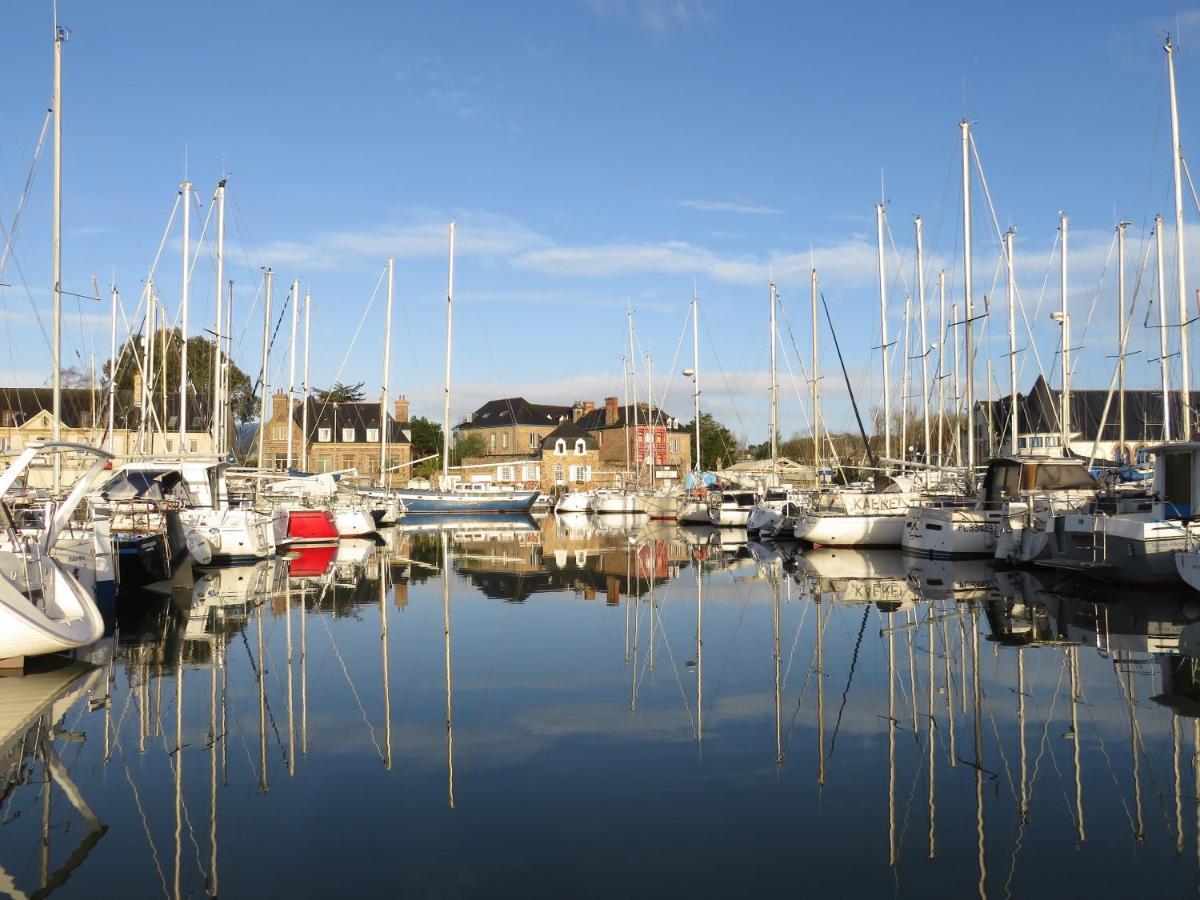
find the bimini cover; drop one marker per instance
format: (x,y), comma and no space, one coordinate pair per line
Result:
(140,484)
(705,478)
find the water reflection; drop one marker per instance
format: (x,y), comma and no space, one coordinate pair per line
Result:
(459,681)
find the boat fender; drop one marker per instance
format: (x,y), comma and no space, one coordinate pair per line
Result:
(199,547)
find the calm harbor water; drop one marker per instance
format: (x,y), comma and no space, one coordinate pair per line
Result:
(571,708)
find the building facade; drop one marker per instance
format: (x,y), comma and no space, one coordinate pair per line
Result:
(340,436)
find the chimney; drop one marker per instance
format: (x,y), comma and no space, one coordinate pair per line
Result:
(588,406)
(402,410)
(576,411)
(279,405)
(610,411)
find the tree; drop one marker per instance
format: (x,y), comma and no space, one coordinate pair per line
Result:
(342,393)
(73,377)
(464,447)
(718,446)
(426,441)
(200,365)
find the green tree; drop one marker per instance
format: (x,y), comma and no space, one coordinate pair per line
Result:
(426,441)
(718,446)
(342,393)
(200,365)
(464,447)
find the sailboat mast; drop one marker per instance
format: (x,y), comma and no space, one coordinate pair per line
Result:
(185,191)
(1121,337)
(696,374)
(1013,416)
(304,386)
(1065,412)
(387,359)
(904,380)
(816,379)
(218,369)
(1185,427)
(625,399)
(941,366)
(957,448)
(774,382)
(924,338)
(968,300)
(637,444)
(112,373)
(266,373)
(60,35)
(653,415)
(295,302)
(446,394)
(1164,368)
(883,332)
(226,364)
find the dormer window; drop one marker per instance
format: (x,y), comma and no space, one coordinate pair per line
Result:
(325,435)
(560,447)
(580,447)
(372,435)
(347,435)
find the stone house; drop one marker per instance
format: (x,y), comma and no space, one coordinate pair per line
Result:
(340,436)
(659,442)
(1039,431)
(25,415)
(513,426)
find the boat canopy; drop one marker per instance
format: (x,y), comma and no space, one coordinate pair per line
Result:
(143,484)
(1009,477)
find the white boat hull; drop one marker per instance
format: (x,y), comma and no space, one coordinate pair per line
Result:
(67,618)
(856,530)
(353,522)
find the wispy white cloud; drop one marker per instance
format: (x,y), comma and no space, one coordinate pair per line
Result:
(423,236)
(655,16)
(731,206)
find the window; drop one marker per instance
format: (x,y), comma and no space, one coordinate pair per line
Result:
(347,435)
(504,440)
(170,445)
(324,462)
(560,448)
(347,462)
(558,474)
(1022,443)
(534,440)
(506,473)
(580,447)
(372,435)
(674,443)
(278,433)
(581,474)
(192,446)
(1037,442)
(8,419)
(491,443)
(325,435)
(531,473)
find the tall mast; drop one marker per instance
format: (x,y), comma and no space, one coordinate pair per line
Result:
(904,380)
(446,395)
(816,382)
(941,365)
(957,386)
(218,370)
(304,387)
(226,364)
(653,415)
(387,359)
(1065,411)
(1185,427)
(625,399)
(883,341)
(924,338)
(1163,366)
(1013,416)
(295,301)
(60,35)
(1121,226)
(148,374)
(696,373)
(112,373)
(774,383)
(266,373)
(185,191)
(637,444)
(968,300)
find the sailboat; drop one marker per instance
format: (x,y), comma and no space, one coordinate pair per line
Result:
(43,607)
(459,497)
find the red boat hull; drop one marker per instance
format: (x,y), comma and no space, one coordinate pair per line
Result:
(311,526)
(310,562)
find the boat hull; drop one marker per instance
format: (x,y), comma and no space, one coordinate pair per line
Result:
(932,532)
(449,502)
(311,526)
(69,620)
(834,530)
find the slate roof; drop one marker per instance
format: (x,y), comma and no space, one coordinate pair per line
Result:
(1038,410)
(569,432)
(597,418)
(516,411)
(24,403)
(359,416)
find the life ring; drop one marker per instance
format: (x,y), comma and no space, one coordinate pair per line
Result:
(529,485)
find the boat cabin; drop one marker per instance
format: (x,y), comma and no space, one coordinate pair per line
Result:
(191,484)
(1011,478)
(1176,479)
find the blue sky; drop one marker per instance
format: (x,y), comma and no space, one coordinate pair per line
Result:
(594,154)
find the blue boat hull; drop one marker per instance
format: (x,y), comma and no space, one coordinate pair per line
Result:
(447,502)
